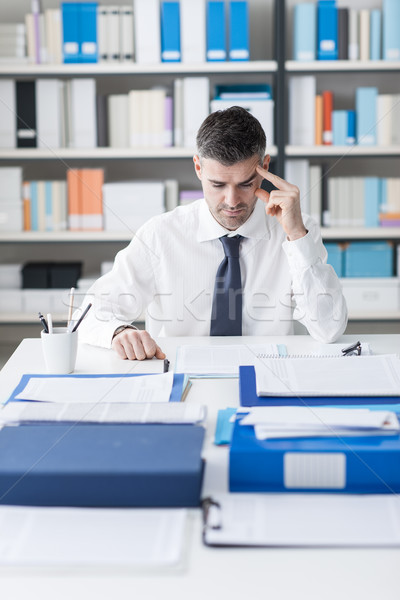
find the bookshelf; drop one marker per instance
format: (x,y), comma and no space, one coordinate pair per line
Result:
(270,32)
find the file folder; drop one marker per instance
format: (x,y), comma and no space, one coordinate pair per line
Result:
(70,24)
(101,465)
(88,32)
(327,30)
(248,395)
(361,465)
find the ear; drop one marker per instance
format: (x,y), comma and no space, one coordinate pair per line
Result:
(197,166)
(266,161)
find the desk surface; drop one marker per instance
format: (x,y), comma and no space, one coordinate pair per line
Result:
(209,573)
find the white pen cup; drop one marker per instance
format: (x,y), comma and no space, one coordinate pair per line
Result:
(59,350)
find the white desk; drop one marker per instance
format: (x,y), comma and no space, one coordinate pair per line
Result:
(231,574)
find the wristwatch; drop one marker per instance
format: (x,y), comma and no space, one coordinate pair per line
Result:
(122,328)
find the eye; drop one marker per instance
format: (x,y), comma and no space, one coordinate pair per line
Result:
(218,185)
(247,185)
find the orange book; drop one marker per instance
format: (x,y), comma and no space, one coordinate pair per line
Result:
(92,199)
(26,191)
(318,120)
(74,199)
(327,133)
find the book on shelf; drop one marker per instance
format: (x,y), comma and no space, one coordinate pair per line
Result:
(343,33)
(8,105)
(85,199)
(81,112)
(302,92)
(327,30)
(375,35)
(26,114)
(147,31)
(366,99)
(128,205)
(239,42)
(11,199)
(305,31)
(196,107)
(390,30)
(193,31)
(353,34)
(170,31)
(216,31)
(365,34)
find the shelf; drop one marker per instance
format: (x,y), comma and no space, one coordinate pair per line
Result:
(347,151)
(66,236)
(100,153)
(101,69)
(29,318)
(341,65)
(375,316)
(356,233)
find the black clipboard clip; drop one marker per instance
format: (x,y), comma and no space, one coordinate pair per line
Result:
(211,515)
(353,350)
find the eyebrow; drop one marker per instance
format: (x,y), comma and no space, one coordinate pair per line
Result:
(241,183)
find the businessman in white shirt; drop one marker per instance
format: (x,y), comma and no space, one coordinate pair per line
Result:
(178,267)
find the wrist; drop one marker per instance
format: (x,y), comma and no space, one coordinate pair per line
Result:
(122,328)
(296,235)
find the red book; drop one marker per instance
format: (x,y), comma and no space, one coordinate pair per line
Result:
(327,134)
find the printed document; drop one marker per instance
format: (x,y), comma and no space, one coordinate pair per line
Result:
(137,537)
(146,388)
(223,360)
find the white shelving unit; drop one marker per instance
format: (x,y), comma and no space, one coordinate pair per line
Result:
(340,66)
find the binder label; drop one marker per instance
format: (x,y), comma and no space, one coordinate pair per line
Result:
(314,470)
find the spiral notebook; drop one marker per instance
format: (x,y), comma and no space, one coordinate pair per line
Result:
(331,376)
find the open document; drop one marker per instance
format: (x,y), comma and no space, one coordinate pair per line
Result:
(300,520)
(223,360)
(142,538)
(377,375)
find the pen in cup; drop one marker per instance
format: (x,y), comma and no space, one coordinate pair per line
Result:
(43,321)
(83,315)
(49,323)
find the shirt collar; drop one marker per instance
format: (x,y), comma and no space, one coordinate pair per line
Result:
(255,227)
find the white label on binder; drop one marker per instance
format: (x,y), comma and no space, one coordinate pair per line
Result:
(316,470)
(71,48)
(89,48)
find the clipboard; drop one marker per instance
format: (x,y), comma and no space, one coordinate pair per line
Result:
(301,520)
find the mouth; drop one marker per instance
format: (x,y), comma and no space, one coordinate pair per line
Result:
(233,213)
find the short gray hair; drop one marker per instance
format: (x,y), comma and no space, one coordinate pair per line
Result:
(231,136)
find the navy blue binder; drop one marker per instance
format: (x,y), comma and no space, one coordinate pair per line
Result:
(101,465)
(248,395)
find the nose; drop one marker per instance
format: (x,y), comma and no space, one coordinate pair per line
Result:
(232,198)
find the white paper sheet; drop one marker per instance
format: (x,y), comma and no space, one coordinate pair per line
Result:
(343,376)
(86,536)
(171,412)
(307,520)
(147,388)
(223,360)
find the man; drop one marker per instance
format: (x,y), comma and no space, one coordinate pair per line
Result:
(240,261)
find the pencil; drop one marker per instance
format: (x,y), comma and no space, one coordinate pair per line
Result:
(83,315)
(71,305)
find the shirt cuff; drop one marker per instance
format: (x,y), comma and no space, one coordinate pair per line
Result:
(301,253)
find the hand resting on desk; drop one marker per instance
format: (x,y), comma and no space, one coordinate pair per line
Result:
(135,344)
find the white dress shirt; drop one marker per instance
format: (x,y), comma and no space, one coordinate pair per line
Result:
(168,272)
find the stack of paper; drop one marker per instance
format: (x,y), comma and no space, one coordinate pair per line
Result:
(89,412)
(300,422)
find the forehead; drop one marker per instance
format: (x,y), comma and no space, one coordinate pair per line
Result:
(236,173)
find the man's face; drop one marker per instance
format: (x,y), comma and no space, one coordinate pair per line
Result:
(230,191)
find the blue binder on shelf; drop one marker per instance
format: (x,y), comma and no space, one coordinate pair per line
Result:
(366,101)
(70,24)
(327,30)
(216,31)
(170,32)
(248,395)
(88,32)
(363,465)
(101,465)
(390,30)
(239,46)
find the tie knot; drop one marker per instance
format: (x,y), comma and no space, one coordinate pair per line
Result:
(231,245)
